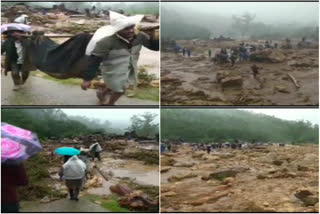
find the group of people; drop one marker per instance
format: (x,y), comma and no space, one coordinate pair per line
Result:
(214,146)
(116,55)
(243,50)
(74,171)
(185,51)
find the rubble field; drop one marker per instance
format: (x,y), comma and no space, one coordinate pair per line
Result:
(199,81)
(262,179)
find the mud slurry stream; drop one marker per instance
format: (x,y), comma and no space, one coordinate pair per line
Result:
(192,81)
(265,180)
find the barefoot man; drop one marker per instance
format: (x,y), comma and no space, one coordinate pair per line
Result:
(115,49)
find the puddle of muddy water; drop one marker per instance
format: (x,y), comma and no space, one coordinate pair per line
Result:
(136,170)
(103,190)
(149,146)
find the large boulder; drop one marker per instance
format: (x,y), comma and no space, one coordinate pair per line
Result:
(307,197)
(138,201)
(268,55)
(120,189)
(235,81)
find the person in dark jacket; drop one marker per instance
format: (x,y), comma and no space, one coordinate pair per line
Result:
(12,176)
(13,46)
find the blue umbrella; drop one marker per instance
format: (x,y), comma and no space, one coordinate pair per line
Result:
(67,151)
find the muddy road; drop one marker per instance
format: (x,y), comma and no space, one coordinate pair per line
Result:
(268,179)
(193,81)
(39,91)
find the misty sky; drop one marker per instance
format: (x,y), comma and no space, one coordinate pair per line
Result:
(310,115)
(115,116)
(267,12)
(122,116)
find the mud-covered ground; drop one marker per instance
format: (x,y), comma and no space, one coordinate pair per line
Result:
(264,179)
(193,81)
(113,169)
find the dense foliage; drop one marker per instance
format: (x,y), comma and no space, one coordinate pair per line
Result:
(47,122)
(218,125)
(144,125)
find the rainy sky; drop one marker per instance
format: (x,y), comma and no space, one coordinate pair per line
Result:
(311,115)
(122,116)
(115,116)
(267,12)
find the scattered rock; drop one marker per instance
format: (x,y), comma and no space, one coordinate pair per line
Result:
(223,174)
(203,78)
(277,162)
(282,89)
(222,187)
(121,189)
(181,177)
(168,194)
(306,197)
(191,164)
(316,207)
(45,199)
(168,162)
(155,83)
(235,81)
(221,75)
(94,182)
(207,199)
(228,180)
(198,155)
(138,200)
(164,169)
(302,168)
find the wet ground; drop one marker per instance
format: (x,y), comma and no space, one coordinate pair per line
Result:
(62,205)
(264,180)
(39,91)
(136,170)
(192,81)
(114,169)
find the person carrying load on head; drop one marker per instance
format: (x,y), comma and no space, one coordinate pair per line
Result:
(115,49)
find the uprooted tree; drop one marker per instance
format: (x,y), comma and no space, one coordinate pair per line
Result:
(144,124)
(243,22)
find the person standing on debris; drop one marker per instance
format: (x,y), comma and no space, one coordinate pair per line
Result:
(95,150)
(74,171)
(183,51)
(13,47)
(117,54)
(209,53)
(208,149)
(12,176)
(189,52)
(255,70)
(169,147)
(243,53)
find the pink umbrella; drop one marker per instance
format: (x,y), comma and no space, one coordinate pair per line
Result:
(12,150)
(17,144)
